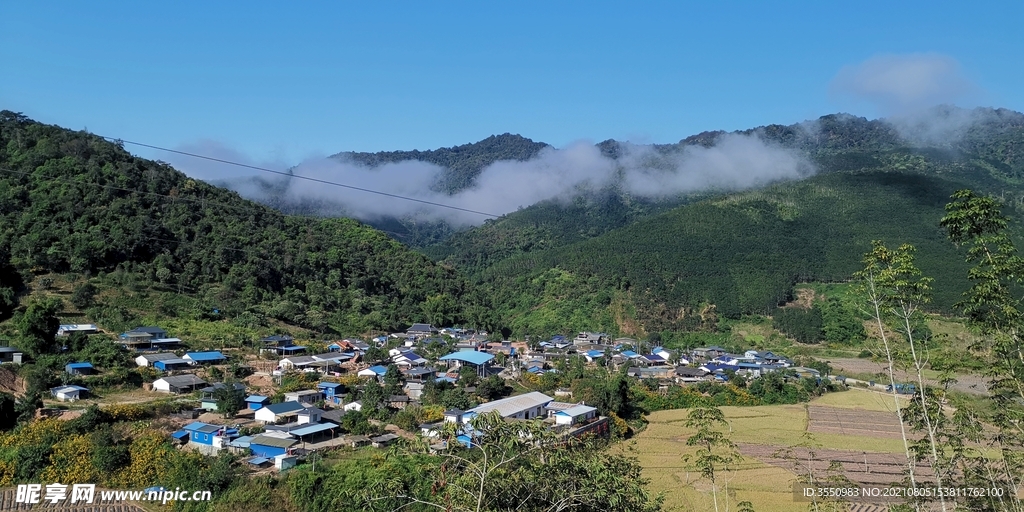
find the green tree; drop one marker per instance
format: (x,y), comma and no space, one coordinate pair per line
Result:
(393,381)
(993,305)
(38,326)
(229,400)
(715,452)
(83,295)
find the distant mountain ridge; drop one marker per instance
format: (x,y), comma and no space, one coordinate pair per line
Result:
(462,164)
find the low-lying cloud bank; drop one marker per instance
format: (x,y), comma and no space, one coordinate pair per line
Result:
(734,162)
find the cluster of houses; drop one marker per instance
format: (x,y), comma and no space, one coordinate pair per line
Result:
(311,417)
(569,419)
(702,364)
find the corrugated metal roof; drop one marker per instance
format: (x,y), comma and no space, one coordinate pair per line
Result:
(284,407)
(276,442)
(468,356)
(186,380)
(514,404)
(312,429)
(205,356)
(577,410)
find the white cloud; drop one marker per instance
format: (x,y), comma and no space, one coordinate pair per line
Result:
(899,83)
(734,162)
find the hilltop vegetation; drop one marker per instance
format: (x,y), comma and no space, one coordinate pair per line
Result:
(630,266)
(73,203)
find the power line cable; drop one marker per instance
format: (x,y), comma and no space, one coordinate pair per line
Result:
(296,176)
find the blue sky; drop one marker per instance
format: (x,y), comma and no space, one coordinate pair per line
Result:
(286,81)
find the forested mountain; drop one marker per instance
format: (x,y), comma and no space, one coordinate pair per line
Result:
(462,164)
(71,202)
(563,267)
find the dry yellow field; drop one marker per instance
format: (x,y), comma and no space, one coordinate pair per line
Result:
(857,398)
(662,446)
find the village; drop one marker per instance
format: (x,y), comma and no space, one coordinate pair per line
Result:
(276,426)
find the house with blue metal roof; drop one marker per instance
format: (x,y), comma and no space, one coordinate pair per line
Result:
(474,358)
(202,433)
(332,391)
(81,368)
(373,371)
(256,402)
(204,357)
(268,447)
(168,365)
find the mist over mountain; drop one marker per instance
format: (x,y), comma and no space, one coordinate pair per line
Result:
(507,173)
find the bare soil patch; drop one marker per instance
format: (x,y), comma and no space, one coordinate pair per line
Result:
(973,384)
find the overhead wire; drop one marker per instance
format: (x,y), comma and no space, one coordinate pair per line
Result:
(299,176)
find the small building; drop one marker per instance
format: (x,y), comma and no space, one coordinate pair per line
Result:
(476,359)
(81,368)
(296,362)
(147,360)
(202,433)
(284,461)
(527,406)
(178,384)
(414,390)
(270,446)
(419,374)
(688,374)
(373,371)
(331,391)
(69,329)
(256,402)
(383,440)
(305,396)
(309,415)
(398,401)
(575,415)
(275,413)
(170,365)
(213,357)
(153,332)
(281,345)
(353,406)
(357,441)
(421,330)
(69,393)
(10,355)
(259,462)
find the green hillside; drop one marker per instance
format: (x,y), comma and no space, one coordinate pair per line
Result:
(630,266)
(73,203)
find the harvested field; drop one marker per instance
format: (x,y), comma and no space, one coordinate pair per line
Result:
(863,468)
(853,422)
